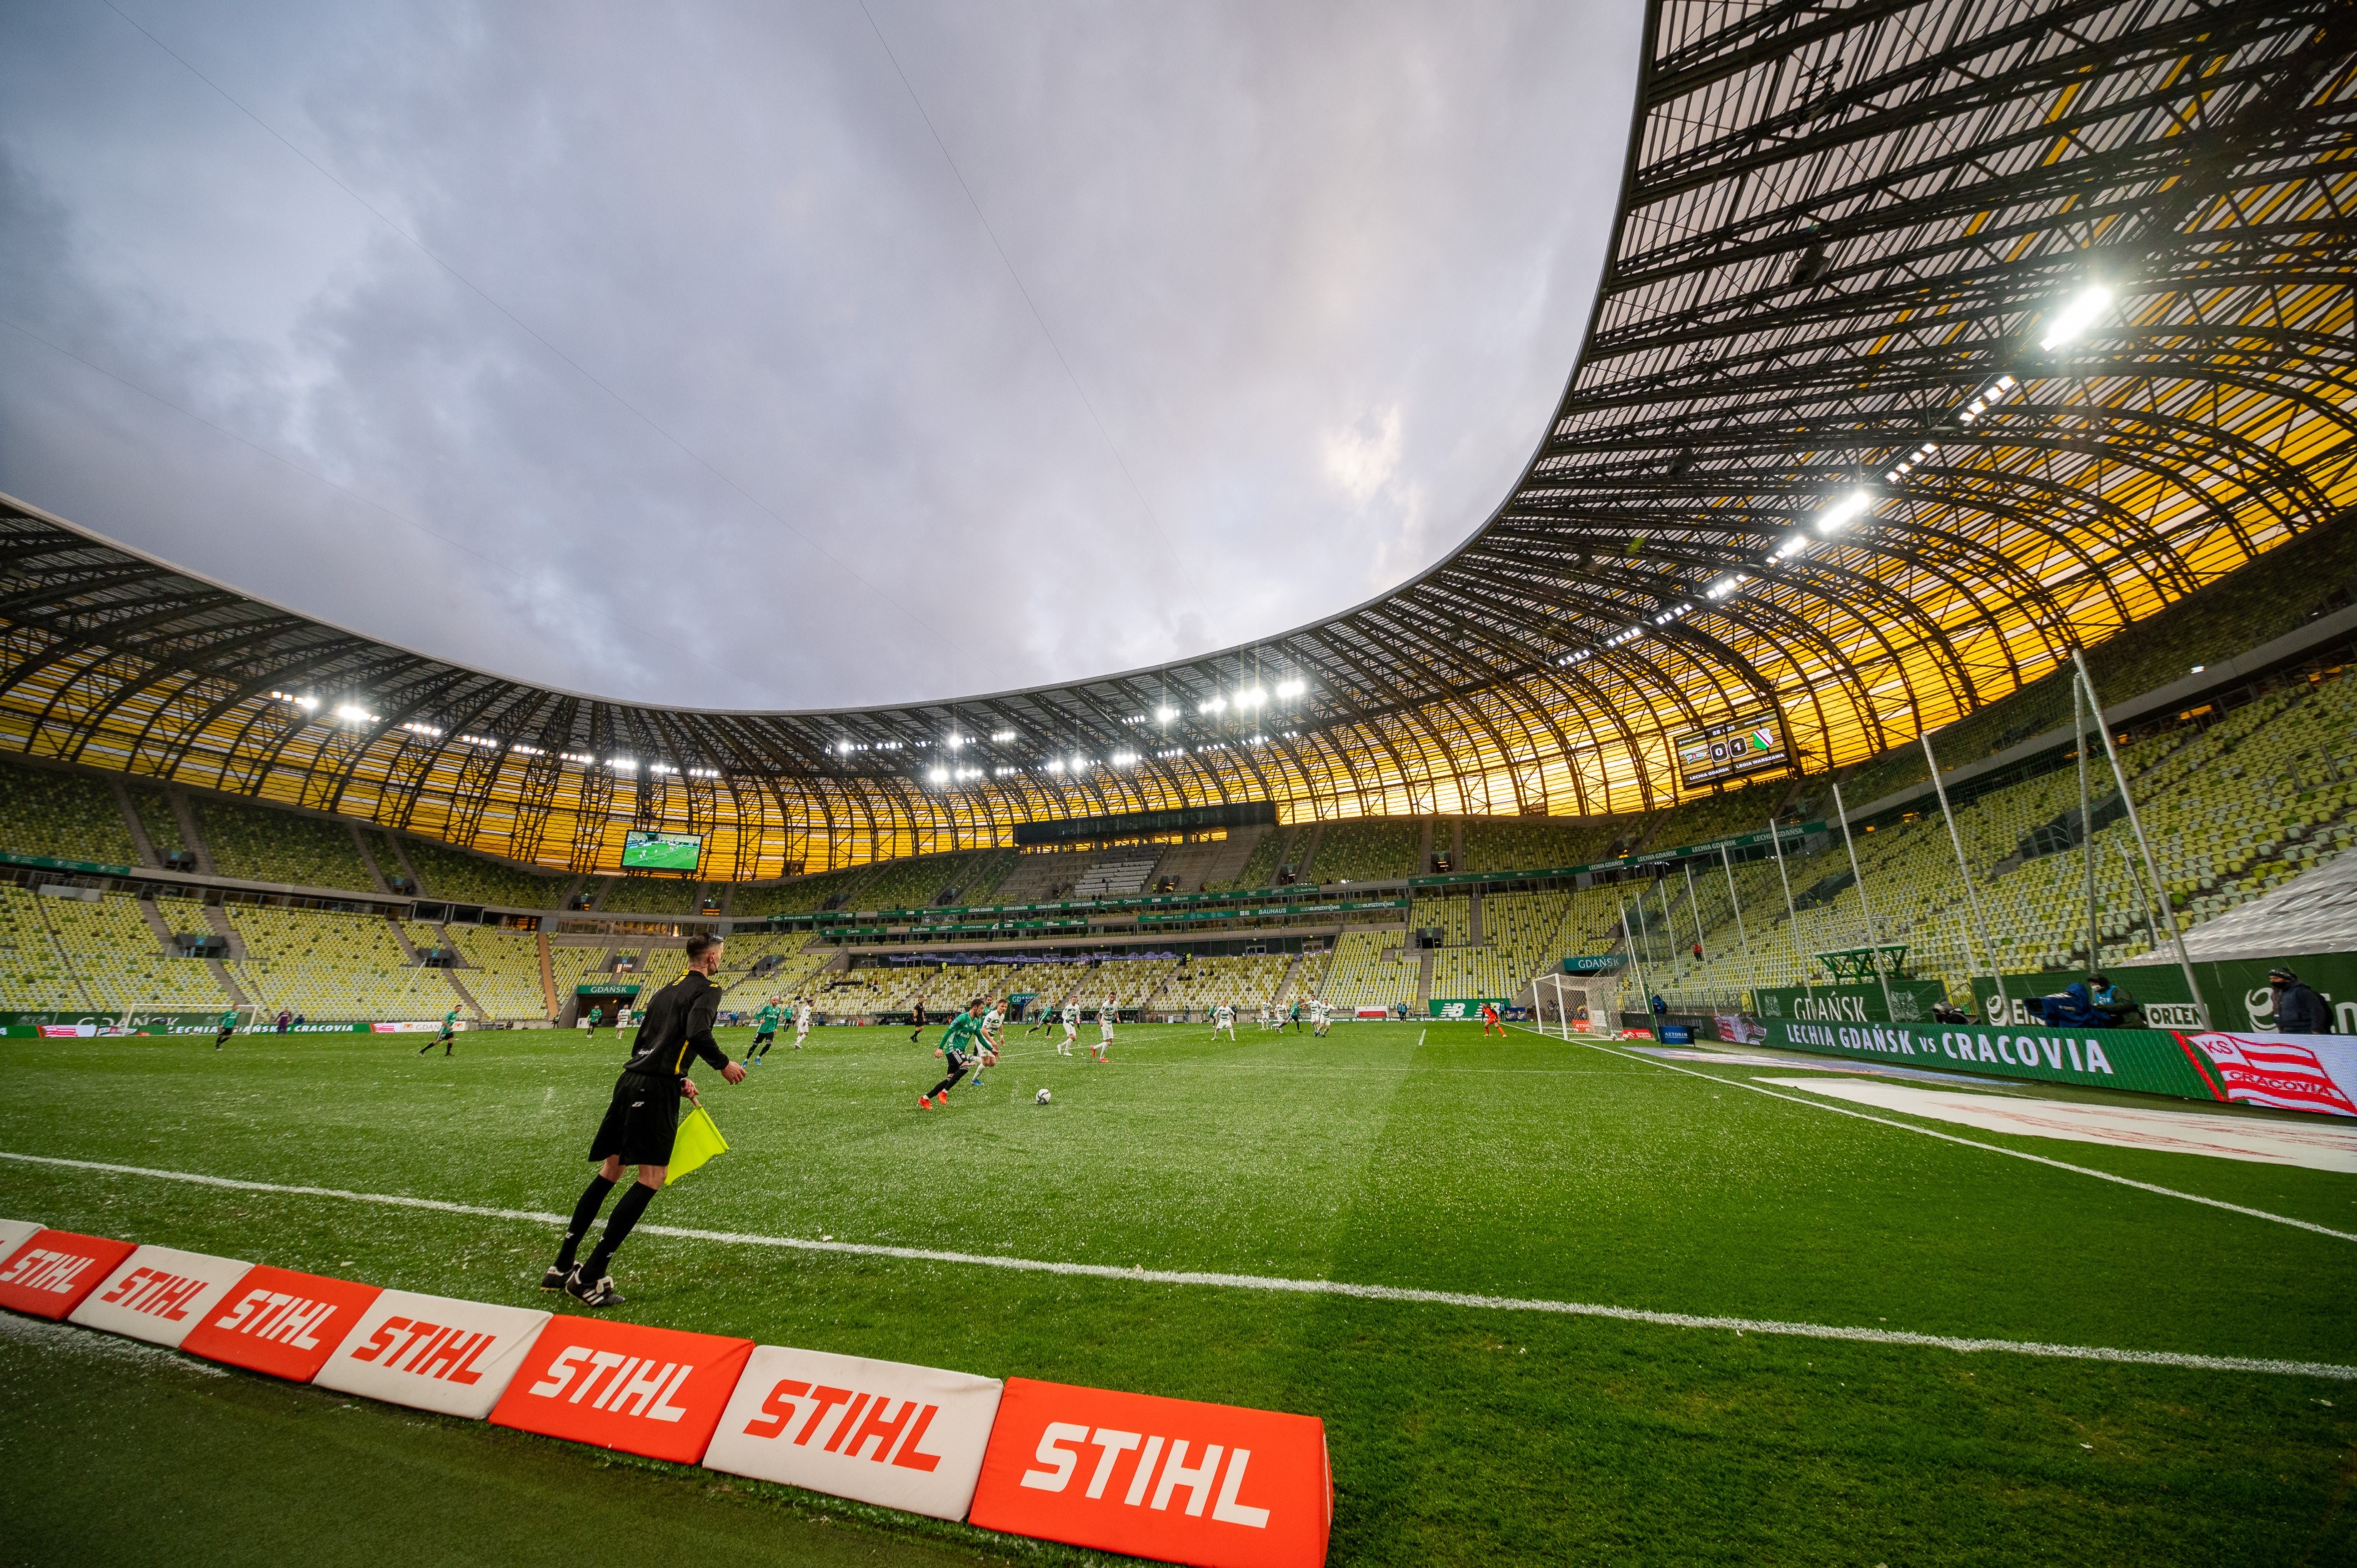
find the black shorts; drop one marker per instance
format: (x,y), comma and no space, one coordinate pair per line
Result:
(641,1121)
(765,1038)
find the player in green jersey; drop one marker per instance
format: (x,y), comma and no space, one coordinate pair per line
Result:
(964,1030)
(765,1024)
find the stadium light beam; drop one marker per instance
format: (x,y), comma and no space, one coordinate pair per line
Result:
(1844,511)
(2076,316)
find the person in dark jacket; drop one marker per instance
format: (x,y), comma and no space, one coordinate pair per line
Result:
(2073,1009)
(2299,1009)
(641,1120)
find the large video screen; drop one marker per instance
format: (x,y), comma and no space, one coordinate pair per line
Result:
(1750,742)
(660,851)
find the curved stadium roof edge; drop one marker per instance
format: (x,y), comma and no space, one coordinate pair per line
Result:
(1851,441)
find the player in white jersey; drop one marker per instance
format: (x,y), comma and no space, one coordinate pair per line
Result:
(1104,1027)
(1071,1026)
(801,1022)
(994,1023)
(1320,1014)
(1223,1019)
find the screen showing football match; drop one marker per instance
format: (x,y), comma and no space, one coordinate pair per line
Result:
(1752,743)
(660,851)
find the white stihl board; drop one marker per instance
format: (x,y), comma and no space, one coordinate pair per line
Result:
(15,1233)
(876,1432)
(433,1352)
(159,1294)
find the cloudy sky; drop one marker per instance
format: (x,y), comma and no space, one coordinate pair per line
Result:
(796,356)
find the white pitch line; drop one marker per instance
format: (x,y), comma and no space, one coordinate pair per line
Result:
(1264,1282)
(1975,1143)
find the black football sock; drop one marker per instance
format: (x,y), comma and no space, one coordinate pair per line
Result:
(617,1229)
(585,1215)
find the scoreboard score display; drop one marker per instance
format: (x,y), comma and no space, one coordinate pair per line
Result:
(660,851)
(1748,744)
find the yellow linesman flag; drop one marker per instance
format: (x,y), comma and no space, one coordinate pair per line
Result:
(698,1139)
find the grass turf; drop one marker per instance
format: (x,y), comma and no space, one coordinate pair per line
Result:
(1385,1153)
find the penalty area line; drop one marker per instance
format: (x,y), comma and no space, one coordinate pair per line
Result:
(1815,1104)
(1278,1285)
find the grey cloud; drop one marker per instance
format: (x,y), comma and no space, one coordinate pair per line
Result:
(1317,275)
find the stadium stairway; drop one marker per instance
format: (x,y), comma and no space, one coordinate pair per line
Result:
(367,860)
(218,918)
(401,935)
(157,924)
(185,815)
(466,997)
(139,839)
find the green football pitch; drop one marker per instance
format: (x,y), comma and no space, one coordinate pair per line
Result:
(1525,1170)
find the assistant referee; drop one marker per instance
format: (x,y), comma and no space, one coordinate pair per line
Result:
(643,1119)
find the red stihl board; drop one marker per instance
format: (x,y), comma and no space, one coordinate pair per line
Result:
(656,1391)
(159,1295)
(1210,1485)
(876,1432)
(51,1271)
(431,1352)
(281,1322)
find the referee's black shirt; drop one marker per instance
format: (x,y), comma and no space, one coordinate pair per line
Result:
(678,1025)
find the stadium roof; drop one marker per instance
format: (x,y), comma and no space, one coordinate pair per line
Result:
(1935,336)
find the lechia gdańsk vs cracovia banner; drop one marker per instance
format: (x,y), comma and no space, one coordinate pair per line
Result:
(2289,1072)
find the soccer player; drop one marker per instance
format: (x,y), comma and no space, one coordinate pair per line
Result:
(447,1038)
(917,1016)
(802,1023)
(1071,1026)
(1322,1017)
(1105,1015)
(1293,1018)
(228,1028)
(1223,1017)
(993,1023)
(765,1031)
(641,1120)
(962,1031)
(1489,1020)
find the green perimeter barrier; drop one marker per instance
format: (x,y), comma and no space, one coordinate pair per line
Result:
(2236,989)
(1911,1000)
(2154,1061)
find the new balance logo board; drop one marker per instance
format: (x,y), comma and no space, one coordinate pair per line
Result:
(280,1322)
(1212,1485)
(51,1271)
(159,1295)
(879,1432)
(655,1392)
(433,1353)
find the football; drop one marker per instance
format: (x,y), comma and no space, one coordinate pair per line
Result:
(1042,1098)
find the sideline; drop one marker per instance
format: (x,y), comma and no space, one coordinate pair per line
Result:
(1138,1275)
(1817,1104)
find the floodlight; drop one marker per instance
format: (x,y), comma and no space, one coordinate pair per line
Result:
(1291,688)
(1844,511)
(2076,316)
(1166,715)
(938,776)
